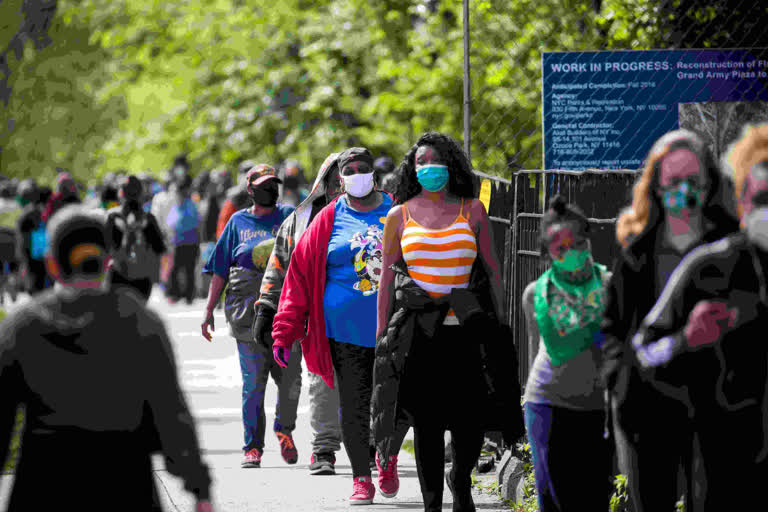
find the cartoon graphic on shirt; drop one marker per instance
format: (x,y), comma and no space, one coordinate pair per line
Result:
(367,260)
(261,253)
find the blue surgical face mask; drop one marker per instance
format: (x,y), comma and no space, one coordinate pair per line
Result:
(432,177)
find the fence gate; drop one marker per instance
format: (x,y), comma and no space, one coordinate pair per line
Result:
(515,211)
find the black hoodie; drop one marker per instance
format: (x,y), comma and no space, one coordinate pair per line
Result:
(95,372)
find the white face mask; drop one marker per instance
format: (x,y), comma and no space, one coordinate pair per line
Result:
(757,227)
(358,185)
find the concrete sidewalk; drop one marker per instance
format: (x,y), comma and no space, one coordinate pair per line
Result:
(281,488)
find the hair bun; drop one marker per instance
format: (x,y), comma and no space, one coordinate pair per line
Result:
(558,204)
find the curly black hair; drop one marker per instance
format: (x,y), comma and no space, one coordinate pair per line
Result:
(560,211)
(461,182)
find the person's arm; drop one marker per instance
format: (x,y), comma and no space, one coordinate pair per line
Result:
(109,232)
(294,305)
(214,293)
(617,317)
(218,265)
(487,252)
(531,326)
(391,254)
(274,274)
(681,320)
(173,421)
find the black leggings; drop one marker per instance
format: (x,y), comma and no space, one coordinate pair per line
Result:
(441,390)
(184,261)
(429,445)
(353,365)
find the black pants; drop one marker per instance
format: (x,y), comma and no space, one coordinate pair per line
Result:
(184,262)
(730,442)
(571,458)
(353,365)
(442,389)
(38,276)
(429,445)
(655,445)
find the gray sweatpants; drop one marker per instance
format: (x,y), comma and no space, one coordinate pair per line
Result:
(324,415)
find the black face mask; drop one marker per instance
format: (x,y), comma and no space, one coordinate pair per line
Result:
(264,196)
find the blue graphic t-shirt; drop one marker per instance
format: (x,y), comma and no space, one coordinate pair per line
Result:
(246,242)
(352,273)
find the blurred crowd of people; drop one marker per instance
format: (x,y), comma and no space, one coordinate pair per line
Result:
(189,209)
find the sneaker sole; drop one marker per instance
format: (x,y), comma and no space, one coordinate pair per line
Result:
(355,503)
(250,465)
(390,495)
(325,470)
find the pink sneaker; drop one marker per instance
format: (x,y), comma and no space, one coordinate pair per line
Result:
(362,491)
(389,482)
(252,459)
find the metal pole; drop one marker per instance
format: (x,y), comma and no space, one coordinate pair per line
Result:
(467,100)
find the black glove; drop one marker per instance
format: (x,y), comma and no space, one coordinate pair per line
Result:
(261,330)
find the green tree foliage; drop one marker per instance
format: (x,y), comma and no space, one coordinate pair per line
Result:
(55,116)
(131,83)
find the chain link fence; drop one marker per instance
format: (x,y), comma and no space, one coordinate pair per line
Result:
(504,108)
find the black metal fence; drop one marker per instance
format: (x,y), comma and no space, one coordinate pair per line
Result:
(515,211)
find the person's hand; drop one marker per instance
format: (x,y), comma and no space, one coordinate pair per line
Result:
(262,329)
(203,506)
(281,356)
(707,321)
(208,322)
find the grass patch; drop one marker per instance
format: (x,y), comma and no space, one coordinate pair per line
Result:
(408,447)
(13,453)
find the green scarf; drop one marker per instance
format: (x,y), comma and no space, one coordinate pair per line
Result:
(569,315)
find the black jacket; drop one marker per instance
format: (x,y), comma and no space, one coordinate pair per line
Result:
(415,314)
(730,270)
(631,293)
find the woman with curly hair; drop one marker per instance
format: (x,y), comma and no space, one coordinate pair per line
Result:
(678,204)
(436,235)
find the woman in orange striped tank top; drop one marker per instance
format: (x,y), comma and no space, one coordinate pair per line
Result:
(439,230)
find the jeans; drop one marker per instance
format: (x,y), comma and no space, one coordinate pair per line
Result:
(257,364)
(184,263)
(353,366)
(571,459)
(324,415)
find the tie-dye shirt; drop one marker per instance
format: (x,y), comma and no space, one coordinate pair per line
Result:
(353,271)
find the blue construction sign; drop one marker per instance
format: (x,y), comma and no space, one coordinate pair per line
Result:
(604,110)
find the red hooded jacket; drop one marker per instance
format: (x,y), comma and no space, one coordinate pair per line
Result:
(302,297)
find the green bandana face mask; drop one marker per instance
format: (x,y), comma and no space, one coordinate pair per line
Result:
(572,260)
